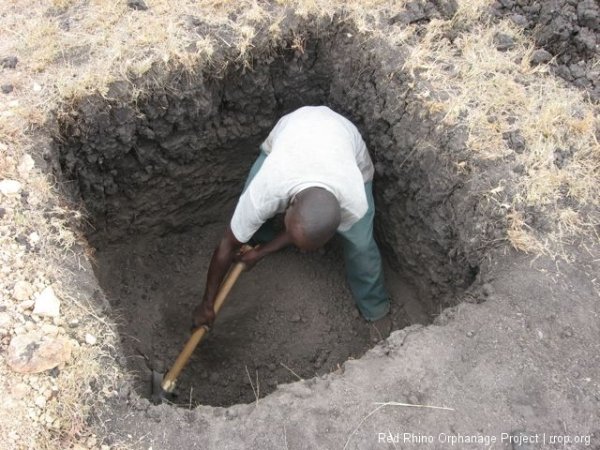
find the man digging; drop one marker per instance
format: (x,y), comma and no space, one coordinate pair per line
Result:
(315,167)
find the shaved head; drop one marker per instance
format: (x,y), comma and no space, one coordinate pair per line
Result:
(313,218)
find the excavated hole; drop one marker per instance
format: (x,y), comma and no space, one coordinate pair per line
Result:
(159,179)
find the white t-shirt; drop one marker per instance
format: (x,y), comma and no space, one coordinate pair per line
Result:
(310,147)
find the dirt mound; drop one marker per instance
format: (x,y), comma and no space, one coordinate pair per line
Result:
(568,30)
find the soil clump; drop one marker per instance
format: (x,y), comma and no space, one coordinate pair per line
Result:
(568,31)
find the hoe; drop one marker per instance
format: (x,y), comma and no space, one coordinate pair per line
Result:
(162,388)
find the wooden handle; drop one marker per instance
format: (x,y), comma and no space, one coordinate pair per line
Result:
(168,383)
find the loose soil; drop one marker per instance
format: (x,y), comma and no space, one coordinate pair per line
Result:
(291,317)
(521,363)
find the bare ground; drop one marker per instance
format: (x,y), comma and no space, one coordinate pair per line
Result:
(525,361)
(291,317)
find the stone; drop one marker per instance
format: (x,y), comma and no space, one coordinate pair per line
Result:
(488,289)
(567,332)
(90,339)
(9,62)
(564,72)
(20,390)
(470,334)
(47,304)
(515,140)
(138,5)
(10,188)
(25,166)
(22,290)
(26,304)
(588,13)
(519,20)
(5,320)
(34,352)
(295,318)
(49,330)
(541,56)
(40,401)
(577,71)
(503,42)
(7,88)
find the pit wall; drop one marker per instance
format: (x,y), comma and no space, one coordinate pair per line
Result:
(175,156)
(178,155)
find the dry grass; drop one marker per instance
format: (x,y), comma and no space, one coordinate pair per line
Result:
(490,93)
(68,49)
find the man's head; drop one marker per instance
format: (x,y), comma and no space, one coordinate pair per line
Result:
(312,218)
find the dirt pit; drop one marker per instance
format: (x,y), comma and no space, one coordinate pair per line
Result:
(159,174)
(291,317)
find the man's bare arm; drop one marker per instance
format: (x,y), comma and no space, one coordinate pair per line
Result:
(222,258)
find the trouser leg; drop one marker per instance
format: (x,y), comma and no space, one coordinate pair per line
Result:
(266,232)
(364,267)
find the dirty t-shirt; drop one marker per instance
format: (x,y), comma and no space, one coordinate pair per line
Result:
(310,147)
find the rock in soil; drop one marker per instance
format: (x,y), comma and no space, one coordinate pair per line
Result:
(90,339)
(10,188)
(503,42)
(34,352)
(20,390)
(5,321)
(25,305)
(22,290)
(541,56)
(25,166)
(47,304)
(138,5)
(7,88)
(488,290)
(9,62)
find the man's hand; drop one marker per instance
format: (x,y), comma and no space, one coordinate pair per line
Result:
(249,256)
(204,314)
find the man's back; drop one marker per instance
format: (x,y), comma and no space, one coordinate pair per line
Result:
(311,147)
(317,132)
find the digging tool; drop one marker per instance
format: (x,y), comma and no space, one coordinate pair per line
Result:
(162,388)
